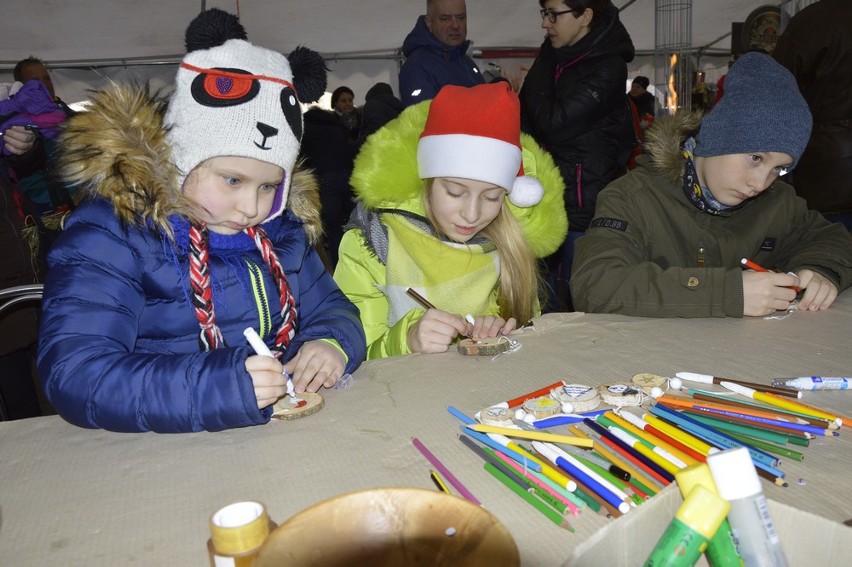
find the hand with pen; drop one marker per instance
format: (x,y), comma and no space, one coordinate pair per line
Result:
(436,330)
(765,292)
(317,364)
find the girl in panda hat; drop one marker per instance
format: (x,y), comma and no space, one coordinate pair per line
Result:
(456,204)
(198,224)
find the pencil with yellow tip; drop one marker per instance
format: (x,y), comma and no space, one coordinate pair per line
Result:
(534,435)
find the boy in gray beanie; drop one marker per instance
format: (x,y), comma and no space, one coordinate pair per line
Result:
(668,238)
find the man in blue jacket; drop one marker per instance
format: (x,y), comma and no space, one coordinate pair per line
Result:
(436,53)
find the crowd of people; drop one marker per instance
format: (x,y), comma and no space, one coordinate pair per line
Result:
(193,217)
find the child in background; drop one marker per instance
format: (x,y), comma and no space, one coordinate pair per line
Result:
(668,237)
(433,215)
(196,227)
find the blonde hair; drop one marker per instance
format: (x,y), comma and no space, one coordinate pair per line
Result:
(519,277)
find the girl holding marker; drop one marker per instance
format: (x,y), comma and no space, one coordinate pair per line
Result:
(445,208)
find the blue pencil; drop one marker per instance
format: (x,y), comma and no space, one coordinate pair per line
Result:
(711,435)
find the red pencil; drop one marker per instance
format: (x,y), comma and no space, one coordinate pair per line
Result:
(752,266)
(537,394)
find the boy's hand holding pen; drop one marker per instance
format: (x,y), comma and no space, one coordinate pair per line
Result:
(814,291)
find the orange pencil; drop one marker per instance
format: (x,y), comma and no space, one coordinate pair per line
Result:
(675,402)
(773,412)
(779,402)
(757,268)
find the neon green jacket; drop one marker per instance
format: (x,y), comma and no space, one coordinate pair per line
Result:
(390,214)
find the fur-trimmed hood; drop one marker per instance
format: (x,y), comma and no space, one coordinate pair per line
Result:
(118,150)
(664,141)
(386,176)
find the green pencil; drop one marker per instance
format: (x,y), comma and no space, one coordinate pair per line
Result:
(754,431)
(768,447)
(537,503)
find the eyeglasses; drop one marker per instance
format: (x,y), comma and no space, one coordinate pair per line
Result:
(551,15)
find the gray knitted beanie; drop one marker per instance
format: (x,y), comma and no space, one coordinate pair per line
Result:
(762,110)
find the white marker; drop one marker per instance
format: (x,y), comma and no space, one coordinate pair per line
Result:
(261,349)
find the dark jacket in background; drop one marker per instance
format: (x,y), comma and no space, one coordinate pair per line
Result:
(429,65)
(573,102)
(327,150)
(816,47)
(380,107)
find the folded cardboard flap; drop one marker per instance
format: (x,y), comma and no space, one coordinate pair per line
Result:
(807,539)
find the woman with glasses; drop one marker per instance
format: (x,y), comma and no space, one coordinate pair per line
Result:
(573,102)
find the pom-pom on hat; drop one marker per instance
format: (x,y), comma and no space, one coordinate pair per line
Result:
(233,98)
(762,110)
(475,133)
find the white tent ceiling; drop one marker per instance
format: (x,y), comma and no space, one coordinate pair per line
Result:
(121,32)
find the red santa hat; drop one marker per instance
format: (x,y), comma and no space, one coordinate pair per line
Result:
(475,133)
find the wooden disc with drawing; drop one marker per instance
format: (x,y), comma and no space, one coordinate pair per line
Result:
(309,403)
(483,347)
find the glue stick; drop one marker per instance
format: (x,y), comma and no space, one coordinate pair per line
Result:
(686,538)
(237,532)
(721,549)
(737,482)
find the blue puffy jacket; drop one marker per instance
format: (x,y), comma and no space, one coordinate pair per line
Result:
(119,336)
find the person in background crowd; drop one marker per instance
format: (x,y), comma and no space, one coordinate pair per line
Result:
(328,150)
(36,109)
(436,53)
(644,101)
(343,105)
(574,105)
(380,107)
(816,47)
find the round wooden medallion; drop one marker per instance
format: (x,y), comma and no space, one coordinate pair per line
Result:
(308,403)
(484,347)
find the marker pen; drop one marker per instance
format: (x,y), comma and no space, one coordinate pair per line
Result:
(721,549)
(737,482)
(686,538)
(260,348)
(814,383)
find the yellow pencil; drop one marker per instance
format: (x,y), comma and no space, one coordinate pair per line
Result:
(535,435)
(779,402)
(653,441)
(439,482)
(553,474)
(690,441)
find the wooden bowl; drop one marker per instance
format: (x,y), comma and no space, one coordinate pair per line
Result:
(390,527)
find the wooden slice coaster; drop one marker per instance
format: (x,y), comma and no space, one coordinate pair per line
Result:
(483,347)
(648,381)
(286,410)
(542,407)
(501,417)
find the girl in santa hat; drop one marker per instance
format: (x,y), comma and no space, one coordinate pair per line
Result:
(456,204)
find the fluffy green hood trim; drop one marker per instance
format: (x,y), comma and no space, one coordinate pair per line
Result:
(386,176)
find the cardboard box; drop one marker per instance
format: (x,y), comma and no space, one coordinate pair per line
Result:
(807,539)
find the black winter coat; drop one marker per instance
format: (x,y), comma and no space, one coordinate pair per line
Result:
(574,103)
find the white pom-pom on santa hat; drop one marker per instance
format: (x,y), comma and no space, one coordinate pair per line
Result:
(475,133)
(526,191)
